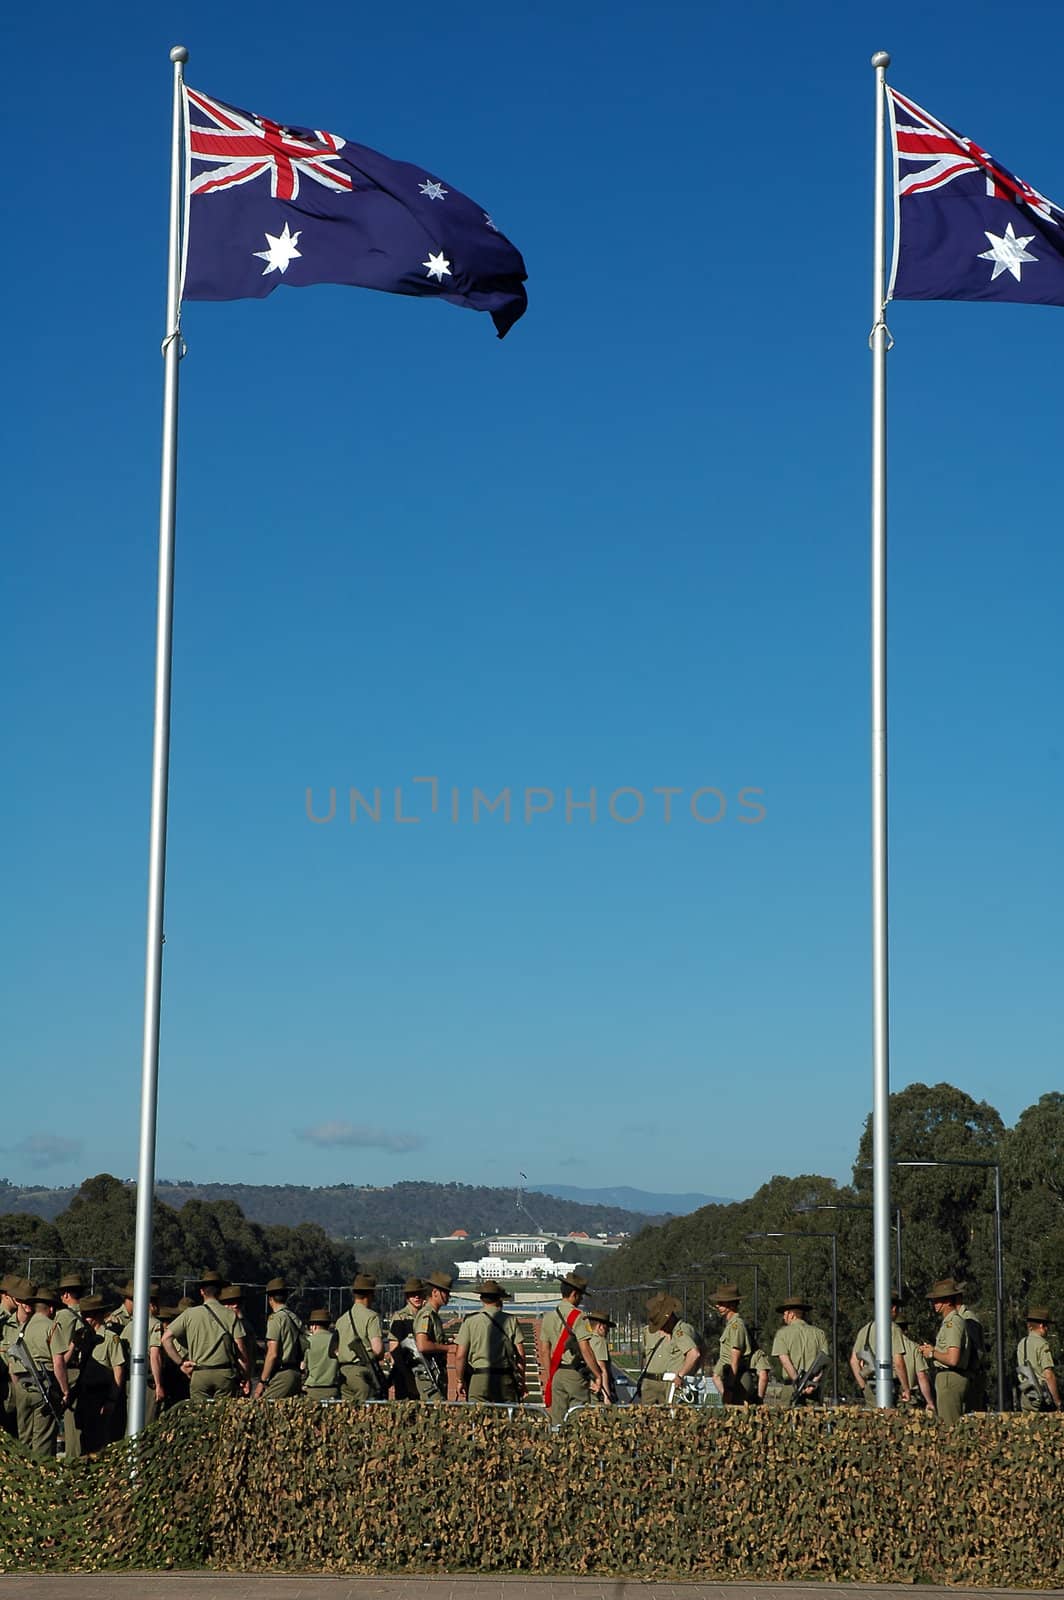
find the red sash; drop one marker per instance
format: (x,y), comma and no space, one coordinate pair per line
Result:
(558,1351)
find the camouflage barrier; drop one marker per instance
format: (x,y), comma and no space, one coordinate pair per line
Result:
(717,1495)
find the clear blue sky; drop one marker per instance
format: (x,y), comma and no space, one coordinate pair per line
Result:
(626,547)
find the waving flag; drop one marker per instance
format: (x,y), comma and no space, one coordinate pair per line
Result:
(964,227)
(269,204)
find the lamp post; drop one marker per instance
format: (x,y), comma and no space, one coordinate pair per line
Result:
(777,1254)
(999,1265)
(838,1205)
(834,1294)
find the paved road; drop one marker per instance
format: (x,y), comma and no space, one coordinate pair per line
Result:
(226,1586)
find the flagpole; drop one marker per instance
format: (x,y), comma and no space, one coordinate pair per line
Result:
(879,341)
(160,771)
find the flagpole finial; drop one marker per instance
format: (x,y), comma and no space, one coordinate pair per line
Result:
(178,53)
(881,59)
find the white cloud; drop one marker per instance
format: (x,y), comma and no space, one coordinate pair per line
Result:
(48,1149)
(356,1136)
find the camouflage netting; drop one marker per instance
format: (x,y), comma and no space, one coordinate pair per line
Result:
(767,1496)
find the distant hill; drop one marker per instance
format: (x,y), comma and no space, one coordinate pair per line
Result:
(639,1200)
(410,1210)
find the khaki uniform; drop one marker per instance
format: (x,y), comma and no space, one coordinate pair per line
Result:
(429,1322)
(37,1427)
(1033,1351)
(209,1333)
(571,1385)
(72,1338)
(914,1364)
(801,1343)
(491,1341)
(322,1380)
(359,1380)
(738,1387)
(662,1352)
(155,1339)
(8,1329)
(402,1327)
(866,1341)
(951,1383)
(284,1328)
(97,1400)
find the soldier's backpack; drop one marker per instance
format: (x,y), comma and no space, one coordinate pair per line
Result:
(1032,1388)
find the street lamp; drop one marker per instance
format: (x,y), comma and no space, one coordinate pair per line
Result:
(818,1205)
(793,1234)
(777,1254)
(999,1271)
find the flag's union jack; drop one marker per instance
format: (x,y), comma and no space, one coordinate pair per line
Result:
(247,148)
(931,155)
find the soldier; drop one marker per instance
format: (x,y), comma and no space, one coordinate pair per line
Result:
(360,1345)
(70,1342)
(322,1368)
(573,1371)
(98,1403)
(214,1343)
(975,1399)
(949,1354)
(600,1323)
(175,1382)
(8,1325)
(400,1328)
(431,1373)
(761,1372)
(915,1367)
(121,1323)
(1033,1352)
(231,1299)
(796,1346)
(732,1376)
(38,1426)
(490,1345)
(862,1360)
(669,1352)
(281,1377)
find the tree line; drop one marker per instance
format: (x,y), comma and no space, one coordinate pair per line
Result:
(947,1217)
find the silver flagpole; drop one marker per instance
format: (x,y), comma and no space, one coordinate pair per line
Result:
(880,343)
(160,771)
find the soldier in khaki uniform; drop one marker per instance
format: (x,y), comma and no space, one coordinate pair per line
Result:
(322,1380)
(1033,1351)
(8,1326)
(600,1322)
(360,1345)
(70,1341)
(491,1348)
(281,1377)
(916,1368)
(796,1346)
(38,1428)
(864,1373)
(214,1341)
(402,1327)
(121,1323)
(732,1375)
(98,1399)
(573,1373)
(669,1352)
(950,1352)
(431,1342)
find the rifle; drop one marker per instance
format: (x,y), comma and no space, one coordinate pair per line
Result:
(19,1350)
(419,1364)
(807,1376)
(369,1360)
(1032,1387)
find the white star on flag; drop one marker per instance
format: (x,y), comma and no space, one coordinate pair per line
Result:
(435,191)
(1007,252)
(438,267)
(282,250)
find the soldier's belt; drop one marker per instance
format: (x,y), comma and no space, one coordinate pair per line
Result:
(214,1366)
(503,1372)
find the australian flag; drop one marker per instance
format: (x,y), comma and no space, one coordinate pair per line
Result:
(965,228)
(271,204)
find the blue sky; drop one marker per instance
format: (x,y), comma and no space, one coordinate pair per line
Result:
(626,548)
